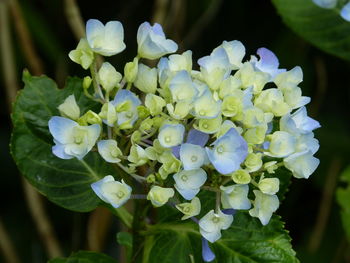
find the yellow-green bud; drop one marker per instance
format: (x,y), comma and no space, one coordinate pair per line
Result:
(269,186)
(143,112)
(89,117)
(136,137)
(69,108)
(87,82)
(151,178)
(154,103)
(146,79)
(130,70)
(108,76)
(253,162)
(241,177)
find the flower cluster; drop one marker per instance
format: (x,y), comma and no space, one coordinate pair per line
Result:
(220,128)
(334,4)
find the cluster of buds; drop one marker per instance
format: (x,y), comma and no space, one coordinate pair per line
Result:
(335,4)
(219,128)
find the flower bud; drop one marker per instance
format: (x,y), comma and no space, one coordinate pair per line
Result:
(130,70)
(87,82)
(146,79)
(90,117)
(159,195)
(241,177)
(83,54)
(69,108)
(269,186)
(108,76)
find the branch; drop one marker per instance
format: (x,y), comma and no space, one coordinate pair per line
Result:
(6,245)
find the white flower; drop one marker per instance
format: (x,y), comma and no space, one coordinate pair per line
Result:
(301,164)
(182,87)
(235,196)
(282,144)
(126,103)
(106,40)
(211,224)
(215,68)
(190,209)
(109,150)
(229,151)
(69,108)
(188,183)
(206,107)
(235,51)
(152,43)
(272,100)
(159,195)
(111,191)
(192,156)
(171,135)
(71,139)
(264,206)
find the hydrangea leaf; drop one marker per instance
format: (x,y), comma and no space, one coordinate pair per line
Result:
(324,28)
(343,198)
(86,257)
(246,241)
(64,182)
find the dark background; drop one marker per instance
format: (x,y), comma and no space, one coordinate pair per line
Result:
(310,210)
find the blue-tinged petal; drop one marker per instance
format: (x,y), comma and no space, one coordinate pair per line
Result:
(94,29)
(197,137)
(207,254)
(192,156)
(301,164)
(124,95)
(328,4)
(114,37)
(268,62)
(191,179)
(187,193)
(62,129)
(58,150)
(229,151)
(96,187)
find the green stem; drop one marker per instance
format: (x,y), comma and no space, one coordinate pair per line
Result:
(123,215)
(97,88)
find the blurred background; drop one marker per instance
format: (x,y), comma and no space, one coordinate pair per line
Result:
(38,34)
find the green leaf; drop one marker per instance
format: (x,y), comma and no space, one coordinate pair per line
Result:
(85,257)
(324,28)
(246,241)
(124,239)
(343,198)
(64,182)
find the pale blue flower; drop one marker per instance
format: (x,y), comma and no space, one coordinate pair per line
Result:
(235,51)
(215,68)
(109,151)
(71,139)
(329,4)
(188,183)
(152,43)
(111,191)
(229,151)
(268,62)
(192,156)
(126,103)
(345,12)
(182,87)
(211,224)
(171,135)
(235,196)
(207,253)
(264,206)
(106,40)
(301,164)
